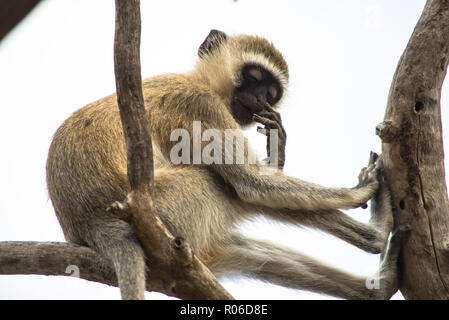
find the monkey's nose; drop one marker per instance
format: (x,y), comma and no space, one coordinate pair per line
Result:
(261,104)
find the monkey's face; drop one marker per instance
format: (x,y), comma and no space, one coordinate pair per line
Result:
(257,89)
(248,69)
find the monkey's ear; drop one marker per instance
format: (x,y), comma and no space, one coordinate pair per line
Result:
(212,42)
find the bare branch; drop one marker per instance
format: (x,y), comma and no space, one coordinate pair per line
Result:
(53,258)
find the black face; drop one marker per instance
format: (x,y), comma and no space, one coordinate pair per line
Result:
(258,88)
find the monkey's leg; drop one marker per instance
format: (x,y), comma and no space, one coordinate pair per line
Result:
(197,206)
(115,240)
(368,237)
(289,268)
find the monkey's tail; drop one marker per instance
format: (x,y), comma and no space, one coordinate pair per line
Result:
(115,239)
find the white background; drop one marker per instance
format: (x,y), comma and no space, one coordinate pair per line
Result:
(341,54)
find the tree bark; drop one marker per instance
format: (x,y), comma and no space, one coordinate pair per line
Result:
(413,155)
(58,259)
(53,259)
(62,259)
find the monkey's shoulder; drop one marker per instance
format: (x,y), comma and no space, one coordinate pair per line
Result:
(182,94)
(174,83)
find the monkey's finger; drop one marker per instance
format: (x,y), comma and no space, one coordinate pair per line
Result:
(362,173)
(372,158)
(256,117)
(380,163)
(273,114)
(271,124)
(276,116)
(260,119)
(269,107)
(373,172)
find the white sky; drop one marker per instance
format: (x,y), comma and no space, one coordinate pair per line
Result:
(341,54)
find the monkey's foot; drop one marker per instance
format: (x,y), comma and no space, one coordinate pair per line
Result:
(385,283)
(120,209)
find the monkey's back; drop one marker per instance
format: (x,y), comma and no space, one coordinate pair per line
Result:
(86,165)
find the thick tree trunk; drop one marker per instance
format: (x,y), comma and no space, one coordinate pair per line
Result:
(414,159)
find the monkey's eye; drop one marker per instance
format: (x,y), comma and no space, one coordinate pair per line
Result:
(273,91)
(255,74)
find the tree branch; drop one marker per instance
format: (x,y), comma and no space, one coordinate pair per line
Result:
(58,258)
(53,258)
(171,258)
(413,155)
(12,12)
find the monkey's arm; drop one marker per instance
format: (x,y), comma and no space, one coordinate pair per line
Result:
(250,181)
(278,191)
(253,185)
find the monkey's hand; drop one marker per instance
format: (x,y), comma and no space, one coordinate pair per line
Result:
(369,177)
(272,120)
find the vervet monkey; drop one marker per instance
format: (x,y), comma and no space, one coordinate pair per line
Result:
(237,81)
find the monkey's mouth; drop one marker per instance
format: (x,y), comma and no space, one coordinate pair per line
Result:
(250,107)
(250,111)
(248,114)
(244,110)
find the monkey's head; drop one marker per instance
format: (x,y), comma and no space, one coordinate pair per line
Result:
(248,72)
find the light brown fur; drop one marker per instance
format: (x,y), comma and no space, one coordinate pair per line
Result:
(86,172)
